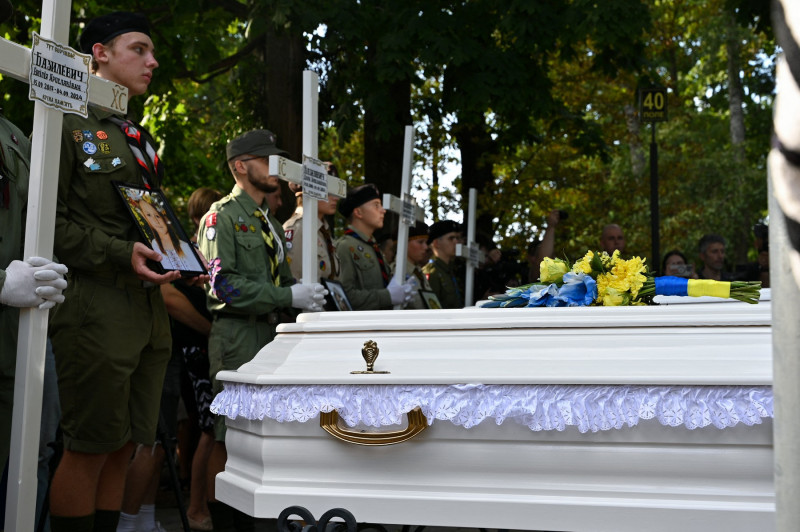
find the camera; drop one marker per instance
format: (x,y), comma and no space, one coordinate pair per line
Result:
(562,215)
(681,270)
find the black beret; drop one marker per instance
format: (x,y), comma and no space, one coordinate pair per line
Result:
(418,230)
(259,142)
(103,29)
(358,197)
(442,228)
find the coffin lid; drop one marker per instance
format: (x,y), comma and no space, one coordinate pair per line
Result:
(689,341)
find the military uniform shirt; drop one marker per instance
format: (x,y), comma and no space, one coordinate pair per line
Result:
(326,262)
(360,274)
(231,240)
(443,282)
(94,232)
(14,167)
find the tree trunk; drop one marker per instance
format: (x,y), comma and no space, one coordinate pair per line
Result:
(735,90)
(477,161)
(634,126)
(384,134)
(284,58)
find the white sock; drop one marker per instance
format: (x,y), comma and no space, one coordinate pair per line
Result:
(127,522)
(147,517)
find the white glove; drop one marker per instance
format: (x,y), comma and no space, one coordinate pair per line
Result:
(400,293)
(36,282)
(308,296)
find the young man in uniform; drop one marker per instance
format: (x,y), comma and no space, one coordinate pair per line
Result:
(443,238)
(111,338)
(328,263)
(250,280)
(365,274)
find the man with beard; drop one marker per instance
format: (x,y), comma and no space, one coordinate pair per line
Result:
(250,281)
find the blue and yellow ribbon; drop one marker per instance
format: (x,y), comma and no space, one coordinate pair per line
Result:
(678,286)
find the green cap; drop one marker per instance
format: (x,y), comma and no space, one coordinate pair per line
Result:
(259,142)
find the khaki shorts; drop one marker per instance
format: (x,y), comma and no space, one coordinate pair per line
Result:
(111,340)
(233,342)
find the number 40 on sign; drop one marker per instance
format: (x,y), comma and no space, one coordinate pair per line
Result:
(653,104)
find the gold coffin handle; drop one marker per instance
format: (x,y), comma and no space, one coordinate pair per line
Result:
(416,424)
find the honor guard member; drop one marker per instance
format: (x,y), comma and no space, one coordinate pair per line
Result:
(328,262)
(364,273)
(417,256)
(443,238)
(250,279)
(111,337)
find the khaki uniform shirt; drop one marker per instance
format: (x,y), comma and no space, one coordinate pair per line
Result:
(443,282)
(327,261)
(241,280)
(361,274)
(94,232)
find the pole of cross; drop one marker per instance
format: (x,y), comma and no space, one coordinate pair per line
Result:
(471,252)
(405,206)
(405,188)
(310,149)
(15,61)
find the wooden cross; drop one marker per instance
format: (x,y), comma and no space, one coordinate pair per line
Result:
(15,61)
(405,206)
(470,251)
(317,184)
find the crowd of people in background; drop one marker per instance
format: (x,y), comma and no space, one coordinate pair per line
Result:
(131,342)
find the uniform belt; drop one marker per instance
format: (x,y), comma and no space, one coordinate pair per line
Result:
(118,279)
(273,318)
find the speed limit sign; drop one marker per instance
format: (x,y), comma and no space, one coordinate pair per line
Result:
(653,104)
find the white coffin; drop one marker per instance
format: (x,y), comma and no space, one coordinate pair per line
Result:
(650,476)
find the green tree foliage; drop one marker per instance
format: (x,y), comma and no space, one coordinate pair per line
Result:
(537,99)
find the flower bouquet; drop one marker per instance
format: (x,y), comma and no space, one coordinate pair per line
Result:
(607,280)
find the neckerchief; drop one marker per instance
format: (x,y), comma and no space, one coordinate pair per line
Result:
(141,145)
(269,238)
(384,271)
(326,235)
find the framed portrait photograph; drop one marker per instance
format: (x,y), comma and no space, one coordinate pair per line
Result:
(336,298)
(430,299)
(161,230)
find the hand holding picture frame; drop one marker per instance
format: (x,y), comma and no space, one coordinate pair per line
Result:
(336,298)
(161,230)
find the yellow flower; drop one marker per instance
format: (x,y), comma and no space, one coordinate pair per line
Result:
(615,298)
(552,270)
(584,265)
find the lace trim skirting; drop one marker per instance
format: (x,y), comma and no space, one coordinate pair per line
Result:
(540,407)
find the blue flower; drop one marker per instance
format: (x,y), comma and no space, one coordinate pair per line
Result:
(578,290)
(539,296)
